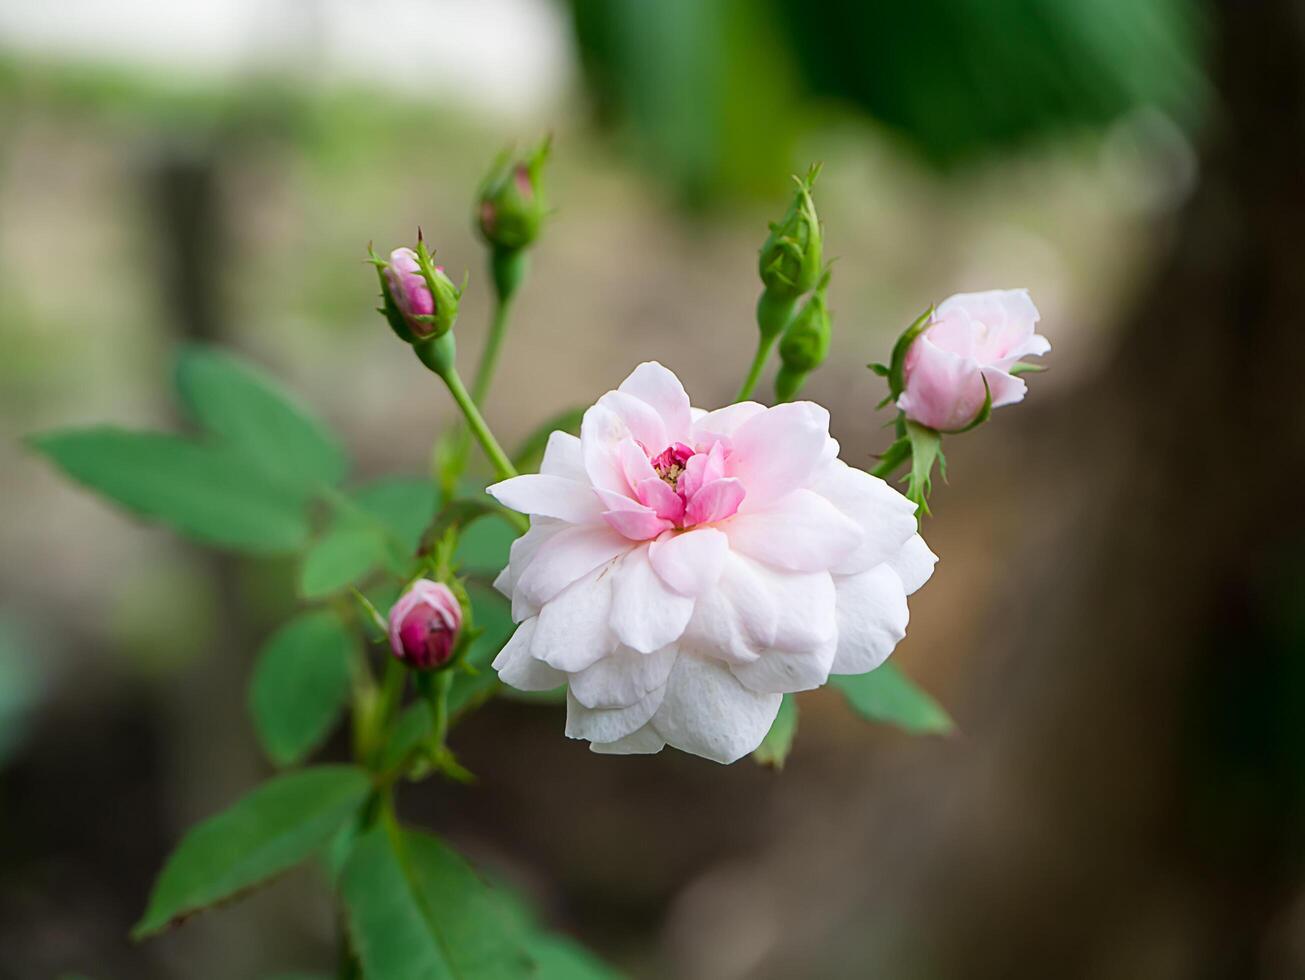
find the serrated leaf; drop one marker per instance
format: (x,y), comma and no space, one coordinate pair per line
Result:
(239,403)
(211,493)
(418,911)
(268,832)
(775,747)
(887,695)
(340,557)
(300,683)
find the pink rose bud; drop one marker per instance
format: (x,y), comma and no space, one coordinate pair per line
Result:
(972,338)
(408,288)
(424,625)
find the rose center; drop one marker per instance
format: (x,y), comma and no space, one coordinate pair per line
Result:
(670,462)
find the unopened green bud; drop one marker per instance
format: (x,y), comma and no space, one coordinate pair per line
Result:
(805,343)
(510,206)
(791,256)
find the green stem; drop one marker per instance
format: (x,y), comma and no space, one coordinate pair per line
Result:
(493,344)
(387,703)
(764,345)
(476,422)
(773,314)
(439,702)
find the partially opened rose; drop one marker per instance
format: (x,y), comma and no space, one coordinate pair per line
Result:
(973,338)
(684,568)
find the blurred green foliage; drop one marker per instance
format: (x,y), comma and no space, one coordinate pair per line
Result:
(716,95)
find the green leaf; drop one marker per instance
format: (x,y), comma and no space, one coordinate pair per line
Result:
(886,694)
(557,956)
(405,505)
(774,748)
(417,911)
(299,685)
(269,831)
(247,409)
(483,546)
(491,614)
(531,451)
(211,493)
(926,447)
(340,557)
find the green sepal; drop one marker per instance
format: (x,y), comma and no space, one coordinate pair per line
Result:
(897,364)
(898,452)
(775,747)
(371,615)
(1023,367)
(444,292)
(388,308)
(926,448)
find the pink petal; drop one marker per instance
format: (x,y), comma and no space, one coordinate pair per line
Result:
(547,496)
(703,468)
(645,425)
(777,450)
(635,464)
(568,555)
(1006,388)
(886,518)
(630,518)
(716,501)
(803,532)
(943,390)
(564,457)
(660,388)
(722,423)
(690,562)
(647,614)
(601,434)
(653,492)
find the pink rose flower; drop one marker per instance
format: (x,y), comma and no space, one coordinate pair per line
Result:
(973,337)
(684,569)
(424,625)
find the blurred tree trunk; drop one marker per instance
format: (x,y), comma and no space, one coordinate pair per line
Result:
(1147,729)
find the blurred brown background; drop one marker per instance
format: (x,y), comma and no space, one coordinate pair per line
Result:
(1117,621)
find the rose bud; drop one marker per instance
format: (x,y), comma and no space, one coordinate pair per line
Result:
(424,625)
(510,206)
(790,257)
(805,343)
(421,302)
(970,350)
